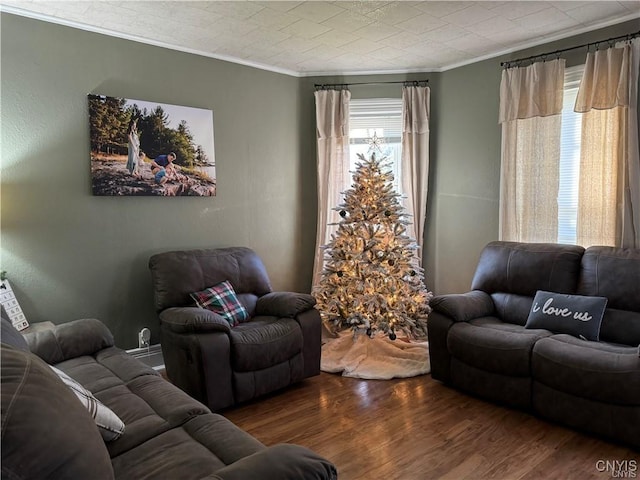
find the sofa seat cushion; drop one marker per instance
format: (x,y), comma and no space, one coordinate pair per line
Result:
(264,342)
(495,346)
(147,404)
(196,449)
(600,371)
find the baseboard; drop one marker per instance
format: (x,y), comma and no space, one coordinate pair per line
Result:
(151,356)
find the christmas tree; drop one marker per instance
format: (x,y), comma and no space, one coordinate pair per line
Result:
(371,278)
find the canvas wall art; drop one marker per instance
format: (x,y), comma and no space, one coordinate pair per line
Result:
(146,148)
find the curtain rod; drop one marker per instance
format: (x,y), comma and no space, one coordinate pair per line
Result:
(415,83)
(611,40)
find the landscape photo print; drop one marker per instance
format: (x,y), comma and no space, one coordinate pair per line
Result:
(147,148)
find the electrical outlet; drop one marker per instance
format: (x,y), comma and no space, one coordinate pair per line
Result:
(144,337)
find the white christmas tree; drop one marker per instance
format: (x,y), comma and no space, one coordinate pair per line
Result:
(371,278)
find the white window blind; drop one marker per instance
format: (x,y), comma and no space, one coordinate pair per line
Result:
(382,118)
(569,168)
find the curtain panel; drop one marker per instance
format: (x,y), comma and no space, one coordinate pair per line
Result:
(332,132)
(415,158)
(609,210)
(530,108)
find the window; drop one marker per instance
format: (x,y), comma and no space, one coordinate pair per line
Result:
(379,118)
(569,169)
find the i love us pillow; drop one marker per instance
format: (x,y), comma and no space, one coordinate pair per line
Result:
(576,315)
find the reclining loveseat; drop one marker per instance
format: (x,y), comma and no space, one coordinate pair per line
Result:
(479,341)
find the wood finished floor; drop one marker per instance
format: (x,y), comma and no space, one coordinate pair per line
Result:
(419,429)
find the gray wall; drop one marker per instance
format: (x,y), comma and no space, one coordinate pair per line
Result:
(70,254)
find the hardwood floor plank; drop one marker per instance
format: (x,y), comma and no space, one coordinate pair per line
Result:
(419,429)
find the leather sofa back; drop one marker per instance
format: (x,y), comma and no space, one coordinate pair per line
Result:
(175,275)
(614,273)
(512,272)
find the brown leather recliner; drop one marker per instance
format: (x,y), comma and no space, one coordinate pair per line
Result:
(221,365)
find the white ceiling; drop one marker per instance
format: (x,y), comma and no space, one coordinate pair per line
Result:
(336,37)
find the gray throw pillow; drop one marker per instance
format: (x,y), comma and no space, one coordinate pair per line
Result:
(576,315)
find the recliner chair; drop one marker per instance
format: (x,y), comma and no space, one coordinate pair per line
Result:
(221,365)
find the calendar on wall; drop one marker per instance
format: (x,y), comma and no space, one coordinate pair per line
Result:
(11,306)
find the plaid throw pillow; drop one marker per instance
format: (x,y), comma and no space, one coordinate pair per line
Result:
(222,300)
(109,424)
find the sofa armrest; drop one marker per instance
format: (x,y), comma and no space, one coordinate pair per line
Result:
(85,336)
(284,304)
(280,462)
(193,320)
(462,307)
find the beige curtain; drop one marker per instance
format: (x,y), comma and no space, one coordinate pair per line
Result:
(332,129)
(415,158)
(609,192)
(530,108)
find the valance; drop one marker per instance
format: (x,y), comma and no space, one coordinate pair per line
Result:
(605,82)
(533,91)
(415,116)
(332,113)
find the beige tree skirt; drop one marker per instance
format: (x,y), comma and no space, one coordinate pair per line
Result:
(376,358)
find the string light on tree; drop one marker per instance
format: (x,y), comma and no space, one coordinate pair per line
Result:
(371,279)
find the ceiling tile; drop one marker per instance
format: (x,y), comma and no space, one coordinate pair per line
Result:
(336,38)
(270,18)
(395,12)
(440,9)
(522,9)
(403,39)
(317,12)
(377,31)
(470,15)
(348,21)
(421,24)
(543,18)
(596,11)
(305,29)
(279,6)
(363,46)
(493,24)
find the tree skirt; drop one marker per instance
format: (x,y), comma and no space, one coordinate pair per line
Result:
(376,358)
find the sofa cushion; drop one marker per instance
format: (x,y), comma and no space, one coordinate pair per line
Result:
(490,344)
(222,299)
(614,273)
(264,342)
(196,449)
(598,371)
(278,462)
(177,274)
(147,404)
(84,336)
(46,432)
(524,268)
(577,315)
(110,426)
